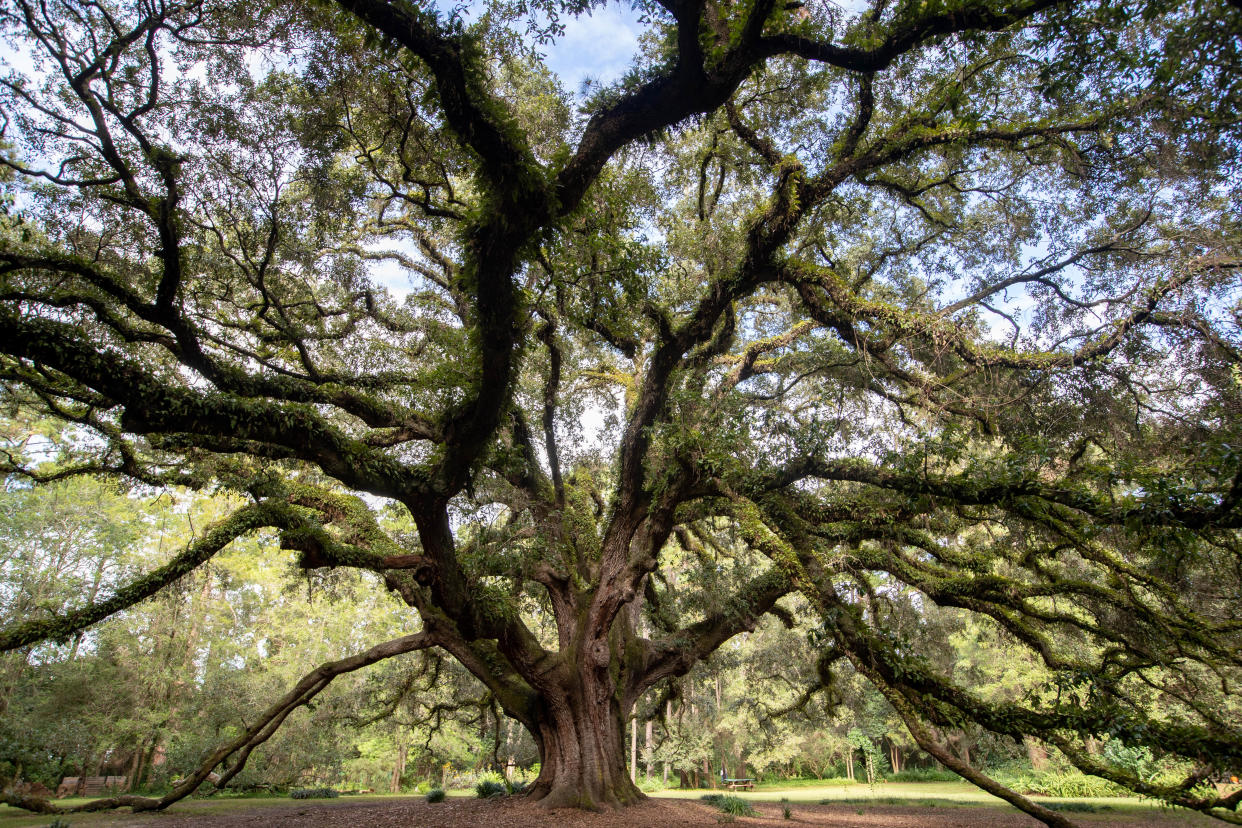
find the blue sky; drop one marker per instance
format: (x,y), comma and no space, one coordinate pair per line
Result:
(599,46)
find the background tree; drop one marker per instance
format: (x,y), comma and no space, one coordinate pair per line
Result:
(148,692)
(934,299)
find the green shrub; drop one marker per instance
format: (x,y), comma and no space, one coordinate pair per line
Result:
(517,788)
(487,788)
(785,812)
(58,823)
(1067,784)
(1135,760)
(730,804)
(436,795)
(1079,807)
(313,793)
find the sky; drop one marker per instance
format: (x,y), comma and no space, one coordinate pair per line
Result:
(599,46)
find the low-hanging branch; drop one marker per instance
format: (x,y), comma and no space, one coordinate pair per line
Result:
(240,748)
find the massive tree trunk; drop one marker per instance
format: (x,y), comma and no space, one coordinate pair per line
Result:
(581,738)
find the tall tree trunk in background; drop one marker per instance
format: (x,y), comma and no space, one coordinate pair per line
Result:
(173,696)
(510,760)
(398,769)
(144,768)
(92,594)
(668,716)
(634,749)
(1036,752)
(648,748)
(135,764)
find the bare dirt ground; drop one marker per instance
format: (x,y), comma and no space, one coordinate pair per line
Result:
(655,813)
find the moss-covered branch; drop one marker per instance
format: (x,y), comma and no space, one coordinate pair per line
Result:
(219,535)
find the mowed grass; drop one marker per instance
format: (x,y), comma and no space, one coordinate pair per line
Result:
(914,794)
(908,794)
(959,793)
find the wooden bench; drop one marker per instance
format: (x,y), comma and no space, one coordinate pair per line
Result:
(739,784)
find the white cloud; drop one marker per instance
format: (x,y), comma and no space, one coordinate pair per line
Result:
(599,46)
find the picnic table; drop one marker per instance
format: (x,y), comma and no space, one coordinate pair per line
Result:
(736,784)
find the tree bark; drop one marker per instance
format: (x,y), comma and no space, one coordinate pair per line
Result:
(1036,752)
(634,749)
(648,747)
(581,738)
(398,769)
(668,717)
(135,765)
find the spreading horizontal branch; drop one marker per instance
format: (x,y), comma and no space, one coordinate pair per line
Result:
(220,535)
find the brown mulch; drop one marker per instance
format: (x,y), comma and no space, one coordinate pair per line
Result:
(654,813)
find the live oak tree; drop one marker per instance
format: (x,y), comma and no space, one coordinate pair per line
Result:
(930,298)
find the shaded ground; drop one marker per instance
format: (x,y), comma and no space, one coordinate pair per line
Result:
(408,812)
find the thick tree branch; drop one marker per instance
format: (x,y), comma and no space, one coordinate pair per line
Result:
(244,520)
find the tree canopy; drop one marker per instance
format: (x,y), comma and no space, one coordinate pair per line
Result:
(900,305)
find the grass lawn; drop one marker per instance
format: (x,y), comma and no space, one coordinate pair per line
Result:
(915,794)
(930,794)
